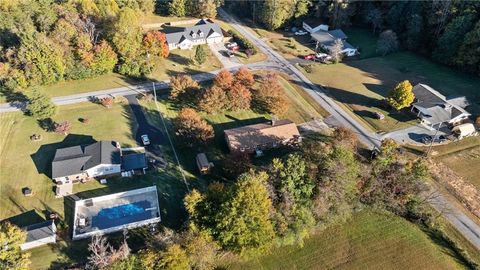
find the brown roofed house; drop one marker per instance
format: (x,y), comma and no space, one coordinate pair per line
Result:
(262,136)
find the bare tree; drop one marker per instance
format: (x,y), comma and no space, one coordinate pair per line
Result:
(336,50)
(100,253)
(63,127)
(123,251)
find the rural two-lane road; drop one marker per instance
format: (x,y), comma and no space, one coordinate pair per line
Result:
(466,226)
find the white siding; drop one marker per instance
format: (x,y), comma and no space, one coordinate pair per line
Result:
(49,240)
(104,169)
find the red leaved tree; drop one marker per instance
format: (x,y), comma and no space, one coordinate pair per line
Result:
(224,79)
(245,77)
(191,128)
(155,43)
(63,127)
(107,102)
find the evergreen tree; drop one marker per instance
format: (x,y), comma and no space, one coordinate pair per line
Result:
(200,55)
(177,8)
(40,105)
(451,39)
(468,55)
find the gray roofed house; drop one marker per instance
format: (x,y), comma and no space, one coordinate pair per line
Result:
(434,108)
(326,40)
(205,31)
(40,234)
(77,163)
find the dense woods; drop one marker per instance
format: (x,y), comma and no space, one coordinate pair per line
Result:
(47,41)
(447,31)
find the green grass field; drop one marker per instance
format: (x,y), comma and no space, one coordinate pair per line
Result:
(367,241)
(363,39)
(370,80)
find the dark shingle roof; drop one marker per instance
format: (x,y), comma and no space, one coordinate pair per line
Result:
(206,27)
(327,38)
(39,231)
(76,159)
(434,106)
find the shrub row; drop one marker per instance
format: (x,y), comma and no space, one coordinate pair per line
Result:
(243,42)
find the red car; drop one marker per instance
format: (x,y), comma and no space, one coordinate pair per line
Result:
(309,57)
(234,48)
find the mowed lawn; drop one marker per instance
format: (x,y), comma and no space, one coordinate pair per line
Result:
(25,163)
(366,241)
(464,163)
(361,85)
(179,61)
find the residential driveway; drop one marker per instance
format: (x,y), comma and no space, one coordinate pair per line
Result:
(219,50)
(414,134)
(154,134)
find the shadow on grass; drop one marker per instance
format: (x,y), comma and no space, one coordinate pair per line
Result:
(25,219)
(45,154)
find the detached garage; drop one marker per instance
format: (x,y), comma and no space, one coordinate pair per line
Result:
(40,234)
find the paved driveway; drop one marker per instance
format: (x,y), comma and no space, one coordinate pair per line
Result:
(219,50)
(156,137)
(414,134)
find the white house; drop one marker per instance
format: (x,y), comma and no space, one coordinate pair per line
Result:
(204,31)
(40,234)
(78,163)
(326,38)
(434,109)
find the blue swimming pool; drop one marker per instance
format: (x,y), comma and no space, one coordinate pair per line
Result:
(122,214)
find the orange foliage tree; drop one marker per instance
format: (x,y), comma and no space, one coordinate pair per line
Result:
(224,79)
(181,84)
(270,97)
(245,77)
(214,100)
(239,97)
(155,43)
(191,128)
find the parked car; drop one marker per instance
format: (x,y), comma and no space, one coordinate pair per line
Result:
(438,139)
(323,56)
(301,32)
(234,48)
(145,139)
(231,44)
(309,57)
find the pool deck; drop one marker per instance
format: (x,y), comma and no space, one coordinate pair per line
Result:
(116,212)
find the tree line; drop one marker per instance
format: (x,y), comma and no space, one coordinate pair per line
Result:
(228,92)
(446,31)
(46,41)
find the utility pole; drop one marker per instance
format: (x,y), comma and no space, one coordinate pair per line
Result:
(154,91)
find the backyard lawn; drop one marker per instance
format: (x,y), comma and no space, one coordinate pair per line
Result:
(367,241)
(361,85)
(364,40)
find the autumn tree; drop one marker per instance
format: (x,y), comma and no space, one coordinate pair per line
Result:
(224,79)
(270,97)
(401,96)
(213,100)
(191,128)
(177,8)
(104,58)
(40,105)
(11,256)
(239,97)
(174,258)
(244,77)
(208,9)
(243,221)
(63,127)
(387,42)
(236,163)
(200,55)
(107,102)
(202,251)
(346,137)
(155,44)
(182,84)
